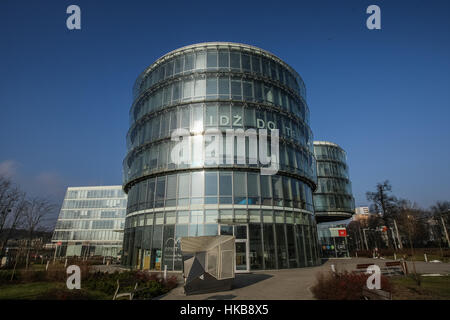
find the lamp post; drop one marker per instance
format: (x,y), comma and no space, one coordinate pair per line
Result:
(445,228)
(412,249)
(365,238)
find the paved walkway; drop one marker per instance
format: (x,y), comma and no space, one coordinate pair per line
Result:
(290,284)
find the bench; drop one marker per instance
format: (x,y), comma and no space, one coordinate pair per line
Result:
(130,295)
(362,267)
(390,268)
(396,267)
(376,294)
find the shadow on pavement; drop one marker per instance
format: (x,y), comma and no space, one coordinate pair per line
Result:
(222,297)
(244,280)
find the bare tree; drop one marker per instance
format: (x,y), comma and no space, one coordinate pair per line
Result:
(441,214)
(35,212)
(383,202)
(12,205)
(412,222)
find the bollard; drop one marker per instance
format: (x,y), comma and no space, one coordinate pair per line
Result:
(395,256)
(165,272)
(46,267)
(426,258)
(333,268)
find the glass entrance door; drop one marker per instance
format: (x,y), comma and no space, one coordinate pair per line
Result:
(240,232)
(241,256)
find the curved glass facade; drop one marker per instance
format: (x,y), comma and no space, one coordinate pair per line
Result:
(219,86)
(333,198)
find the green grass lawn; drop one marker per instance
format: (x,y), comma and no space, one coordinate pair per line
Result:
(27,290)
(46,290)
(431,288)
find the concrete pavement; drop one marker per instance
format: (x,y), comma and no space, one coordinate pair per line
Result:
(291,284)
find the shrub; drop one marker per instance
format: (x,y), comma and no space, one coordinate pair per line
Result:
(32,276)
(343,286)
(149,285)
(66,294)
(5,276)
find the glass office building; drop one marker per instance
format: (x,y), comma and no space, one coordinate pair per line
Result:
(333,199)
(91,222)
(219,86)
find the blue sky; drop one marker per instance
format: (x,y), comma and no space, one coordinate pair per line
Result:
(383,95)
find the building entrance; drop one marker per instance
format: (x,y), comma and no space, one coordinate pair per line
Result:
(240,232)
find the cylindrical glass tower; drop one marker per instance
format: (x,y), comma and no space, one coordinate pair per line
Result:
(221,86)
(333,199)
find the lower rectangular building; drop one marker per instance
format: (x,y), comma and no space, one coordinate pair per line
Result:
(91,222)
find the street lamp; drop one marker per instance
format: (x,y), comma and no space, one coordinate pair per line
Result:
(412,248)
(365,238)
(445,228)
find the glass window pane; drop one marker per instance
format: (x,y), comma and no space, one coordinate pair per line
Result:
(276,187)
(258,91)
(224,116)
(169,69)
(256,64)
(255,216)
(239,186)
(211,216)
(266,193)
(197,118)
(211,115)
(281,246)
(197,184)
(235,60)
(179,65)
(197,217)
(253,185)
(224,87)
(236,90)
(200,87)
(223,59)
(183,186)
(188,62)
(247,87)
(249,118)
(269,247)
(212,59)
(188,89)
(211,183)
(210,229)
(183,217)
(267,216)
(171,186)
(225,184)
(226,230)
(196,230)
(160,191)
(245,62)
(201,60)
(171,217)
(256,255)
(185,117)
(211,86)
